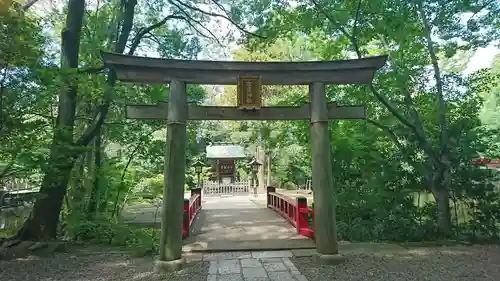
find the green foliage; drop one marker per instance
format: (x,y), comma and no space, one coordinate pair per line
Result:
(103,230)
(380,165)
(24,126)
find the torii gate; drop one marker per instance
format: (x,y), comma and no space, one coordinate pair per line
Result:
(249,76)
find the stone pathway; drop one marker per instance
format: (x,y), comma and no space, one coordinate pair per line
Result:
(254,266)
(239,224)
(364,262)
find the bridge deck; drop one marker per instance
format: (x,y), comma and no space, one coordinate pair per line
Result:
(238,224)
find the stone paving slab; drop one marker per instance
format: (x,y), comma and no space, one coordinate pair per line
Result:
(248,258)
(217,245)
(253,266)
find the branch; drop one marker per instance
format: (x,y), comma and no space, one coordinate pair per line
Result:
(439,81)
(153,38)
(392,109)
(220,6)
(122,178)
(97,122)
(403,150)
(138,37)
(190,18)
(480,9)
(49,117)
(356,20)
(92,69)
(388,131)
(339,26)
(218,15)
(214,38)
(95,126)
(104,123)
(413,111)
(28,4)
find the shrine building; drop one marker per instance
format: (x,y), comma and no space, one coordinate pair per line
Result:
(223,158)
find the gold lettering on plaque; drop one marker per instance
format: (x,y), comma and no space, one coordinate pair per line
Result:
(226,168)
(249,99)
(249,92)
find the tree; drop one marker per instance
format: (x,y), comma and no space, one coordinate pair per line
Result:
(66,146)
(491,94)
(405,31)
(21,48)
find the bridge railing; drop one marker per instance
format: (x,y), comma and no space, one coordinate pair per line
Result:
(212,188)
(191,208)
(294,210)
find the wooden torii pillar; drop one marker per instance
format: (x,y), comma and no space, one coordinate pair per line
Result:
(249,76)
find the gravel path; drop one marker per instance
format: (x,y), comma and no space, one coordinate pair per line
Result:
(94,267)
(474,263)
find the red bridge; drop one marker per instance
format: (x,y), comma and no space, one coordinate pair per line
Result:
(269,221)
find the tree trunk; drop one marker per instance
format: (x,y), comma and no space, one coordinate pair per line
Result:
(42,224)
(87,176)
(96,176)
(76,194)
(442,179)
(103,183)
(440,191)
(443,213)
(268,162)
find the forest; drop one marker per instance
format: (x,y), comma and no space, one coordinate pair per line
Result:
(415,170)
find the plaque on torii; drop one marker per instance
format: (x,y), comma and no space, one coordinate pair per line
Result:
(249,92)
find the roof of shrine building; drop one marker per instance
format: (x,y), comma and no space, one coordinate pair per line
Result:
(228,151)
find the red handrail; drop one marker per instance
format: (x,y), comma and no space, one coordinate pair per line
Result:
(295,211)
(191,208)
(486,162)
